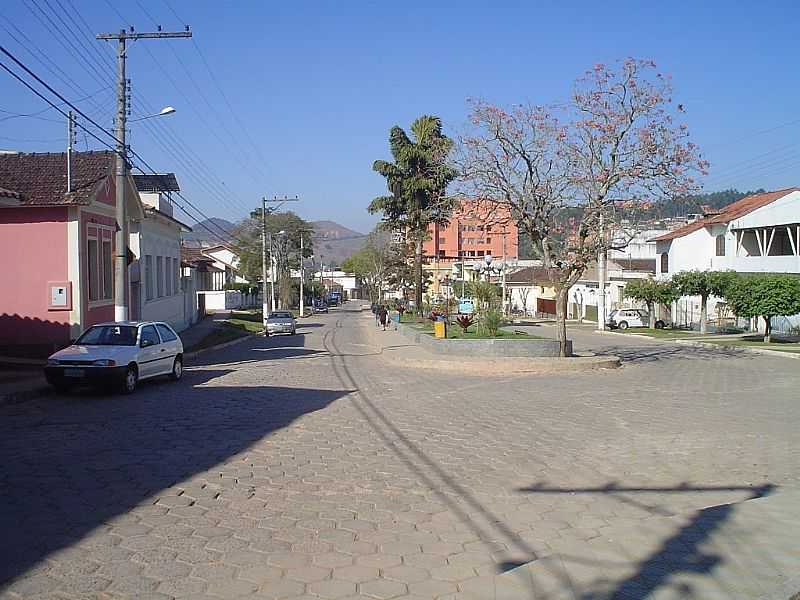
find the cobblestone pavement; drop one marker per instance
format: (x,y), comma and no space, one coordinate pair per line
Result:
(309,467)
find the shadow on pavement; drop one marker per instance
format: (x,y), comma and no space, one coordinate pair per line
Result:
(681,553)
(86,459)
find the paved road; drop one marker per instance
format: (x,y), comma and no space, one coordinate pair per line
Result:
(309,467)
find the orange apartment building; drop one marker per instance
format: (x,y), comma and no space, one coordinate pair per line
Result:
(473,232)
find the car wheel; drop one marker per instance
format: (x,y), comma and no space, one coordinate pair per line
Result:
(130,380)
(177,369)
(623,325)
(660,324)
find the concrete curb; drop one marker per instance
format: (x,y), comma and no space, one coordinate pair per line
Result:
(702,344)
(196,353)
(575,364)
(750,349)
(25,395)
(494,365)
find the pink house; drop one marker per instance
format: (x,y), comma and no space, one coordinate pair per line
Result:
(56,248)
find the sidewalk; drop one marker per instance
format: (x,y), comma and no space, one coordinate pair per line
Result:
(19,382)
(747,550)
(197,332)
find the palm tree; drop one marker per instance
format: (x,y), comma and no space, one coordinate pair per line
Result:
(417,181)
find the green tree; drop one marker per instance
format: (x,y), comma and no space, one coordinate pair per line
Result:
(651,292)
(485,293)
(765,296)
(373,262)
(417,181)
(704,284)
(285,250)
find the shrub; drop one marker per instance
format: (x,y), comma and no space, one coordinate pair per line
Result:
(464,321)
(491,320)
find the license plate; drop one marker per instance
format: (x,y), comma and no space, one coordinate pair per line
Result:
(74,372)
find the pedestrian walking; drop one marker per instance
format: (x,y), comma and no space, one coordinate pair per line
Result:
(375,308)
(383,315)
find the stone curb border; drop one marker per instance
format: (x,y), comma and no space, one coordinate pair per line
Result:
(700,344)
(498,365)
(530,366)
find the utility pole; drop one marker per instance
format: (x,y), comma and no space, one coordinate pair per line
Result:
(302,235)
(278,202)
(601,281)
(264,305)
(70,144)
(505,259)
(121,236)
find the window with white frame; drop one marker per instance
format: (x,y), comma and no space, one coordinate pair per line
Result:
(99,264)
(159,276)
(176,265)
(167,276)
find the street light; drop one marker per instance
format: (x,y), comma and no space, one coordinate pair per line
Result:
(167,110)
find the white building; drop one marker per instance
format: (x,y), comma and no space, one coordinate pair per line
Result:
(155,243)
(757,234)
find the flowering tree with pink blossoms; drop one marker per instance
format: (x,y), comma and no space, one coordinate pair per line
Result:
(570,174)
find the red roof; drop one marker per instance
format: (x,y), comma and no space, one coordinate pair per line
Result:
(728,213)
(41,179)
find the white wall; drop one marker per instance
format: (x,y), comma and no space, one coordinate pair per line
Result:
(159,237)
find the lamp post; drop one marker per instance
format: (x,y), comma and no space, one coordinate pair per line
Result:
(167,110)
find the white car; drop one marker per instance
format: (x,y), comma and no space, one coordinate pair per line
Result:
(631,317)
(119,354)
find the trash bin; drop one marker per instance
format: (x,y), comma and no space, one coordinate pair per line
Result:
(440,329)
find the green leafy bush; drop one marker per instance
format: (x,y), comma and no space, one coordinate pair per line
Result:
(491,320)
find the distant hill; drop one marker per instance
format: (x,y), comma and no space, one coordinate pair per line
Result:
(335,242)
(202,231)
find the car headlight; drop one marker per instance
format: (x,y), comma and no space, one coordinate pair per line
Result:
(104,362)
(52,362)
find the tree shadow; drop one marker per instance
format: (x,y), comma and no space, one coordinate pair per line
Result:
(661,352)
(86,459)
(680,553)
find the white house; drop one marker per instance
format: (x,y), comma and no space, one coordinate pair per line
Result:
(531,291)
(155,243)
(757,234)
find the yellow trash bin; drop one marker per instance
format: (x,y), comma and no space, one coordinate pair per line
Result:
(439,329)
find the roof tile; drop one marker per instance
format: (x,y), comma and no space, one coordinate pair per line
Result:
(41,179)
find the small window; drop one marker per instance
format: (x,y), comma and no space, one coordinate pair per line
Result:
(148,277)
(480,252)
(93,267)
(665,262)
(442,240)
(159,276)
(149,335)
(488,240)
(108,269)
(720,239)
(166,333)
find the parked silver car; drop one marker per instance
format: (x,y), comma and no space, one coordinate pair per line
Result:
(281,321)
(119,354)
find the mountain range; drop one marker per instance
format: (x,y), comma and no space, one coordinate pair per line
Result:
(333,242)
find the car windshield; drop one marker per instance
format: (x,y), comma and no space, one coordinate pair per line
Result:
(280,315)
(108,335)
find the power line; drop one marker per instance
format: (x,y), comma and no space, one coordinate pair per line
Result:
(85,129)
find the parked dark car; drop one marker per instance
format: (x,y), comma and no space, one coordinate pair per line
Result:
(321,307)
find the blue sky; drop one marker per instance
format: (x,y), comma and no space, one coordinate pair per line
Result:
(310,89)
